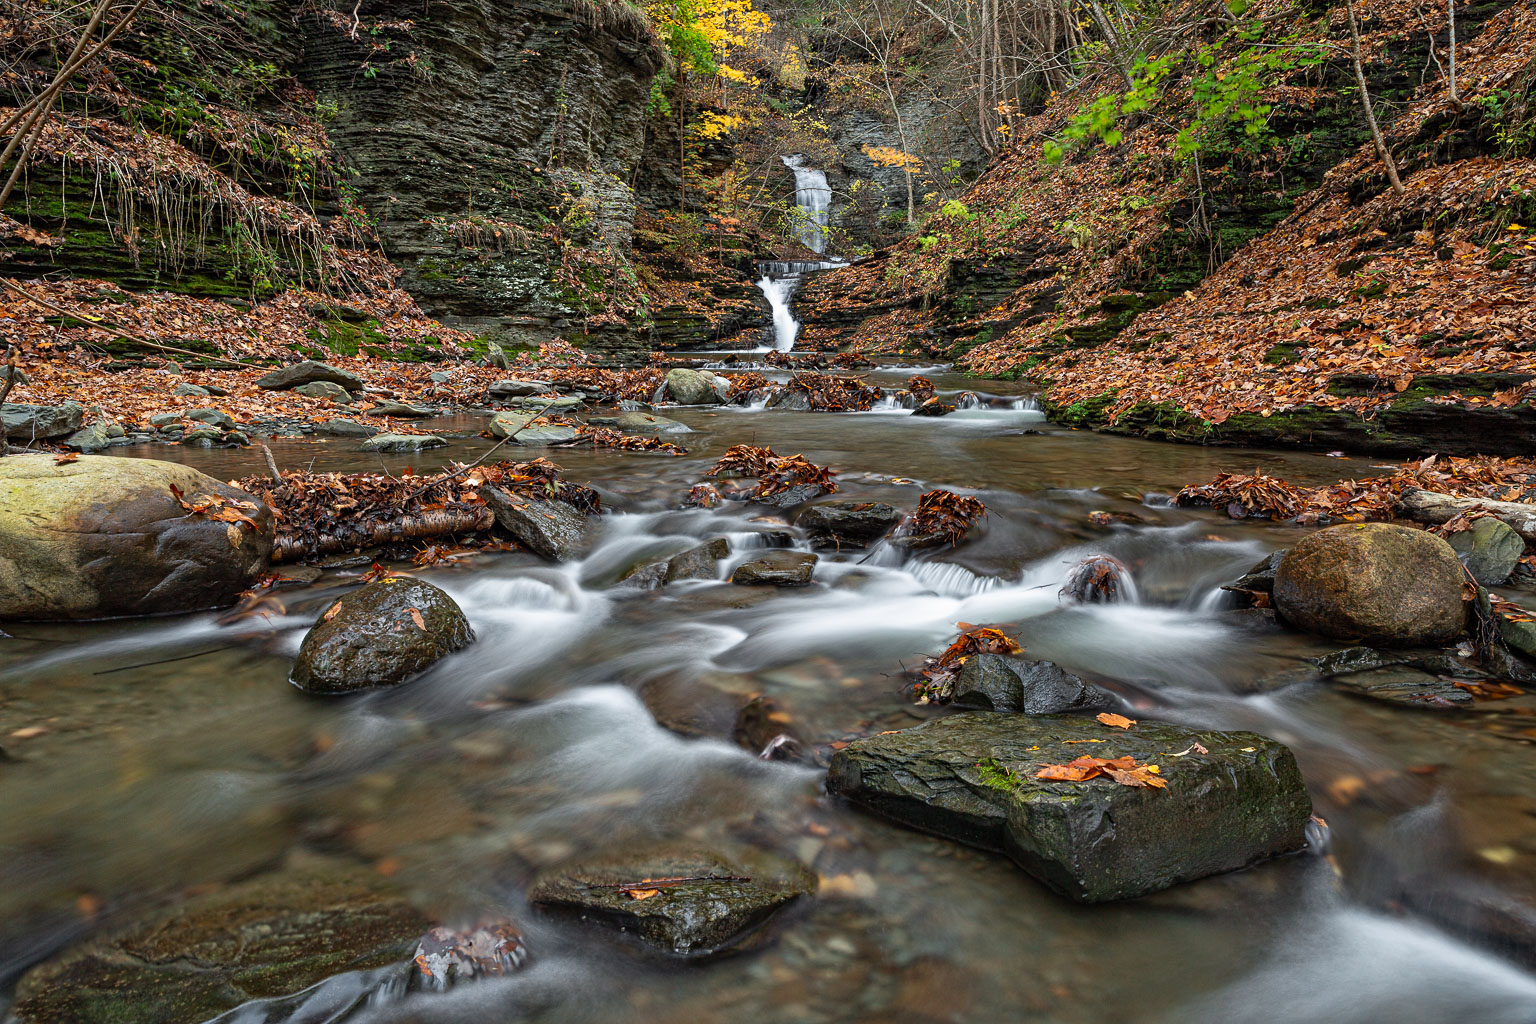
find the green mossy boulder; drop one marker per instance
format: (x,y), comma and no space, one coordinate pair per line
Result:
(103,537)
(971,777)
(371,637)
(1378,583)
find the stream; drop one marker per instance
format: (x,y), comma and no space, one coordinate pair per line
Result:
(176,755)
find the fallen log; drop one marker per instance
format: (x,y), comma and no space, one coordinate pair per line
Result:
(1435,508)
(290,547)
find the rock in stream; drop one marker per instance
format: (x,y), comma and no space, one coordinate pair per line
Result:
(971,777)
(380,635)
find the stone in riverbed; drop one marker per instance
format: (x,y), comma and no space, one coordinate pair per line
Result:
(266,938)
(696,387)
(401,443)
(371,637)
(1378,583)
(103,537)
(933,407)
(848,522)
(776,569)
(700,562)
(400,410)
(345,428)
(545,405)
(213,417)
(1261,578)
(540,434)
(1490,550)
(518,388)
(722,904)
(308,372)
(971,777)
(446,956)
(994,682)
(20,421)
(551,529)
(91,438)
(324,389)
(641,423)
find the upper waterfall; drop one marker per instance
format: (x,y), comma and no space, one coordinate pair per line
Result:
(814,197)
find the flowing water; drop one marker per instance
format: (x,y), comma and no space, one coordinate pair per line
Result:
(782,278)
(177,756)
(814,199)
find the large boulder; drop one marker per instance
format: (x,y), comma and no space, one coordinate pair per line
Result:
(23,422)
(308,372)
(1231,798)
(848,522)
(995,682)
(103,537)
(1380,583)
(1490,550)
(407,443)
(690,903)
(266,938)
(380,635)
(696,387)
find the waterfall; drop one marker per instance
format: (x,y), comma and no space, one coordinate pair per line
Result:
(814,198)
(778,291)
(781,278)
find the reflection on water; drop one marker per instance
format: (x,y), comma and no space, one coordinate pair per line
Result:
(176,756)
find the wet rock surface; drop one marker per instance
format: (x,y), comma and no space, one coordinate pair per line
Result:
(996,682)
(848,522)
(103,537)
(552,529)
(20,421)
(266,938)
(696,387)
(380,635)
(1379,583)
(776,569)
(700,562)
(308,372)
(688,903)
(970,777)
(1490,550)
(447,956)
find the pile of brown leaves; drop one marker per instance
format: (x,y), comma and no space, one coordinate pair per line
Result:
(774,473)
(938,674)
(605,437)
(322,513)
(943,513)
(831,393)
(1123,770)
(1373,498)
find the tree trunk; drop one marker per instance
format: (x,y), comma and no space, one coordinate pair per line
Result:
(1452,65)
(1365,99)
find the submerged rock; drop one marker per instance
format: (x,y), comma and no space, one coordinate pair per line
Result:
(764,728)
(700,562)
(776,569)
(642,423)
(1379,583)
(971,777)
(446,956)
(1099,579)
(996,682)
(103,537)
(308,372)
(1490,550)
(380,635)
(402,443)
(265,938)
(552,529)
(848,522)
(933,407)
(20,421)
(685,902)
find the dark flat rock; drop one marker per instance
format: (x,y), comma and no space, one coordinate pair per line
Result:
(723,903)
(776,569)
(308,372)
(995,682)
(970,777)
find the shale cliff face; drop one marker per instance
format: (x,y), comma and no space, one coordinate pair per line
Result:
(483,124)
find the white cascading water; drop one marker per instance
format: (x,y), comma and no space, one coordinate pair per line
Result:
(814,199)
(780,279)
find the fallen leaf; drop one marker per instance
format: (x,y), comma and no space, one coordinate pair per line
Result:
(640,894)
(29,732)
(330,613)
(1123,770)
(1116,721)
(63,460)
(421,623)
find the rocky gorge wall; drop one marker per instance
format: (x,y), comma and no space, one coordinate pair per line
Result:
(499,135)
